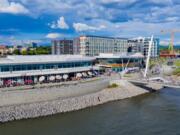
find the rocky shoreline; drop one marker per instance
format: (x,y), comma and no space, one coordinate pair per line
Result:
(45,108)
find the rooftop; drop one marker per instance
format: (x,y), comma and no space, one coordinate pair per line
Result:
(2,47)
(29,59)
(122,55)
(104,37)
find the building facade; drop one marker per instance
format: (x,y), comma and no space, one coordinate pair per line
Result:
(144,43)
(120,62)
(76,46)
(94,45)
(3,51)
(21,70)
(135,47)
(61,47)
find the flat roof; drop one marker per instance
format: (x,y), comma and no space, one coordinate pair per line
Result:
(35,59)
(104,37)
(123,55)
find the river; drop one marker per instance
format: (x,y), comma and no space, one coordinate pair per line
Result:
(154,113)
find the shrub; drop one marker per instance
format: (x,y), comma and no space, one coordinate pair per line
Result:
(177,72)
(177,63)
(113,85)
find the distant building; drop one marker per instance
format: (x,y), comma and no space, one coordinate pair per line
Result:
(94,45)
(144,41)
(62,47)
(21,48)
(3,50)
(18,47)
(10,50)
(33,45)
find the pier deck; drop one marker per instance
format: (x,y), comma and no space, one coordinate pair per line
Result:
(145,82)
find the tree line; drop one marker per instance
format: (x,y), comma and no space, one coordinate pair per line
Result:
(33,51)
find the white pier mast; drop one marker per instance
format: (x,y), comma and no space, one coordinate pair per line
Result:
(148,57)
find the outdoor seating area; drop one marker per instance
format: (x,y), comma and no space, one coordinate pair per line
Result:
(32,80)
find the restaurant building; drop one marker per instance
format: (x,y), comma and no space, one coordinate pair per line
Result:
(19,70)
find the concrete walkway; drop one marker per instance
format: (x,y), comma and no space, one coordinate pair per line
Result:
(12,97)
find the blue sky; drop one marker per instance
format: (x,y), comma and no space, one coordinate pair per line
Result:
(46,19)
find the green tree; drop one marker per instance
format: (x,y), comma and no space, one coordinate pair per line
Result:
(32,52)
(16,52)
(43,50)
(24,52)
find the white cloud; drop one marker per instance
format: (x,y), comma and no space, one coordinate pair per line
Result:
(12,7)
(61,24)
(117,1)
(79,27)
(102,26)
(172,19)
(136,28)
(39,7)
(161,1)
(53,35)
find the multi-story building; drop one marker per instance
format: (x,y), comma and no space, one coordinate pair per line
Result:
(33,44)
(135,47)
(144,42)
(76,46)
(94,45)
(3,50)
(62,47)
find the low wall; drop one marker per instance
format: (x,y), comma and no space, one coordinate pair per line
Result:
(38,109)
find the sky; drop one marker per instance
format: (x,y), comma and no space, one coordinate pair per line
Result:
(43,20)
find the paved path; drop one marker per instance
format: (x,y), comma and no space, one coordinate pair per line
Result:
(51,93)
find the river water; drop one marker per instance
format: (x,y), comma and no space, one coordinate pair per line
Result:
(154,113)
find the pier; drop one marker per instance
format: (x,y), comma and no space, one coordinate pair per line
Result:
(143,82)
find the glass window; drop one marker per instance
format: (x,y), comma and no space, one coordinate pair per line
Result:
(7,68)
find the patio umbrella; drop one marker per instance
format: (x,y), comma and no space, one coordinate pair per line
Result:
(90,73)
(84,74)
(41,79)
(52,78)
(78,75)
(65,76)
(58,77)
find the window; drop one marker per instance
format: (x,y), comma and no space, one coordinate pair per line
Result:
(23,67)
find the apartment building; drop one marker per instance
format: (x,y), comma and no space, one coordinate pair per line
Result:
(61,47)
(94,45)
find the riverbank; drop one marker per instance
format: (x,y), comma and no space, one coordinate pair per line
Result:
(63,90)
(61,105)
